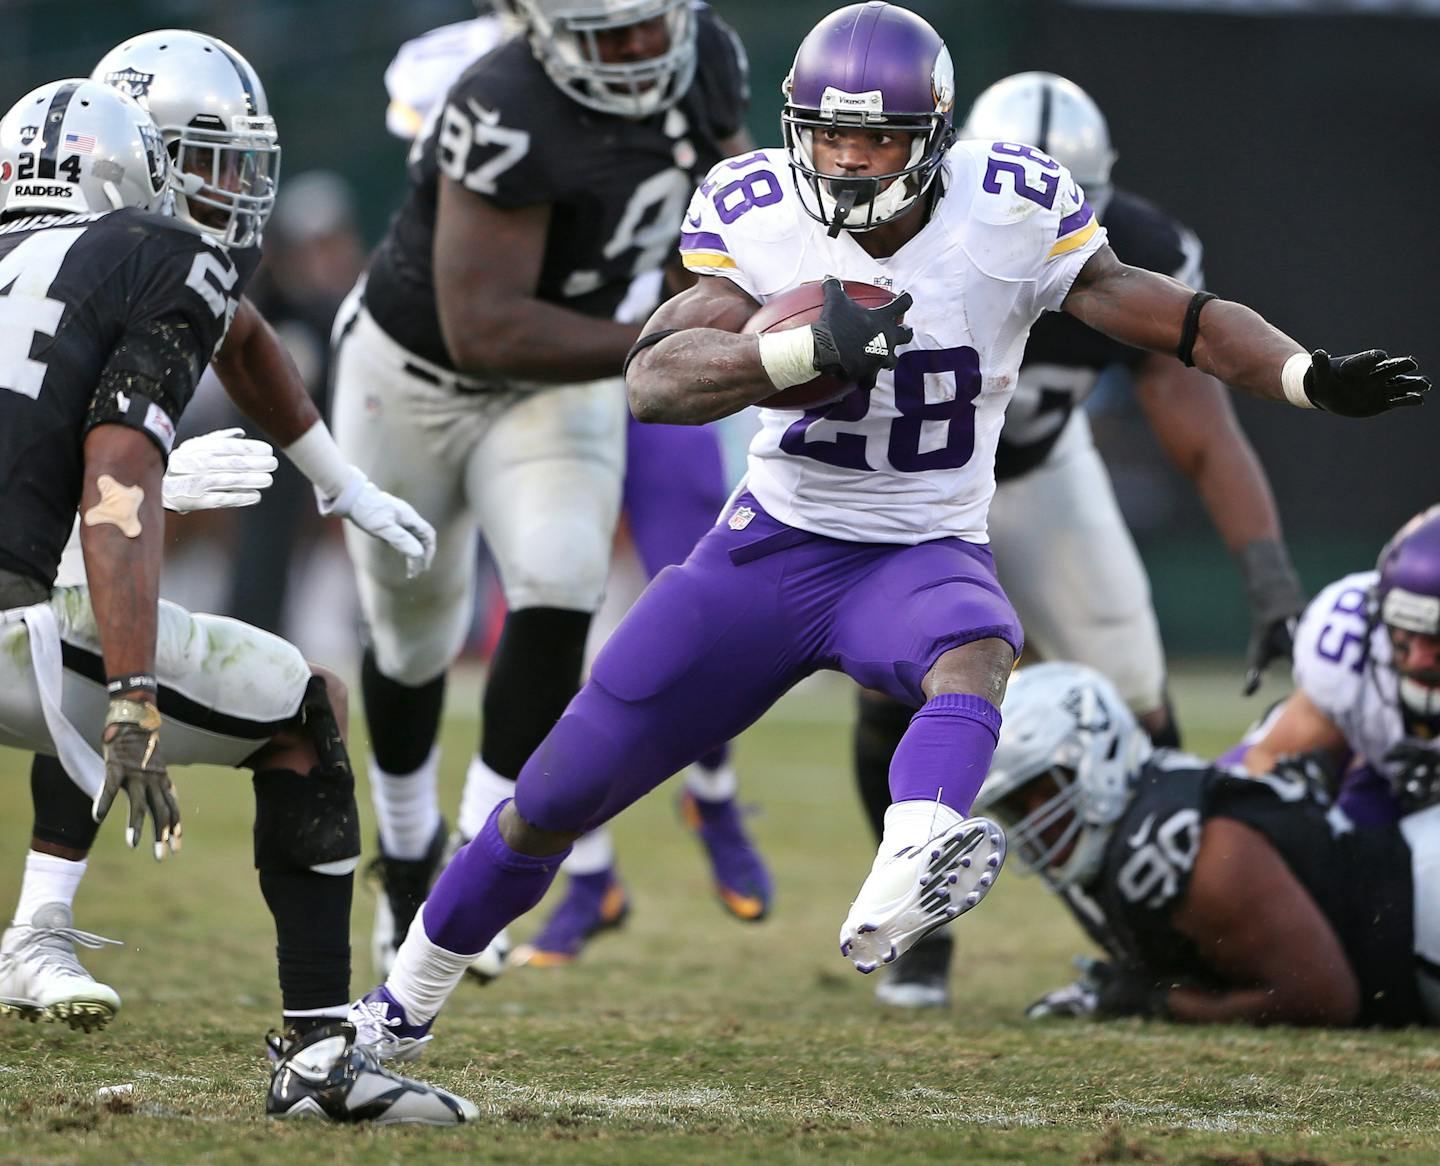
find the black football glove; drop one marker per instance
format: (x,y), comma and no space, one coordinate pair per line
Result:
(1276,602)
(1418,782)
(1363,384)
(1128,990)
(133,762)
(855,343)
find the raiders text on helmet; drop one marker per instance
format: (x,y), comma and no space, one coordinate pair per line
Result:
(869,66)
(79,147)
(211,108)
(1066,727)
(567,38)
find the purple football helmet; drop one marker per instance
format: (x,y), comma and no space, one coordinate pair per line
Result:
(870,66)
(1406,599)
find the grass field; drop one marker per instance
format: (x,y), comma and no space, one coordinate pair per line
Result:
(687,1037)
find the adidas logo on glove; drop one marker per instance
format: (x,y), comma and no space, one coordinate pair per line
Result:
(877,346)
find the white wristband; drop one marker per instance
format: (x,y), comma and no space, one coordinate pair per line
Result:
(1292,380)
(316,455)
(788,357)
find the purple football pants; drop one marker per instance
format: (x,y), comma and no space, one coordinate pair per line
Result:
(674,489)
(715,642)
(710,646)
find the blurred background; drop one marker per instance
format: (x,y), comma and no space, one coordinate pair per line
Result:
(1298,138)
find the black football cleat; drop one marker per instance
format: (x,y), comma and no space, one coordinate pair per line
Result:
(324,1074)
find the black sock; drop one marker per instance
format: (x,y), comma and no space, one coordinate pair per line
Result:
(879,724)
(404,721)
(535,672)
(312,936)
(62,809)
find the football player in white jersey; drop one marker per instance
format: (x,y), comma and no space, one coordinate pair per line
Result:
(859,543)
(1367,680)
(560,488)
(1065,556)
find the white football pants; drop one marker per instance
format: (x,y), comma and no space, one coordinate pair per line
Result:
(229,687)
(1070,567)
(538,472)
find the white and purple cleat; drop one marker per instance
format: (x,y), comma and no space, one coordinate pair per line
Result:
(921,889)
(383,1028)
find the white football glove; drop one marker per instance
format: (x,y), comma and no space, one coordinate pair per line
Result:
(221,470)
(386,517)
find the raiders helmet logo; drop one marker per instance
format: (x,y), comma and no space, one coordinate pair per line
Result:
(131,82)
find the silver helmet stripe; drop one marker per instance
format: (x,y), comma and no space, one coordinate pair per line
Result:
(247,82)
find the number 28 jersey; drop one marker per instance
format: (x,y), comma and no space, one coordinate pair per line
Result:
(914,459)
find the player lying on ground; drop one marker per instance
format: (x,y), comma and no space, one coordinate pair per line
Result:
(1218,897)
(135,304)
(859,544)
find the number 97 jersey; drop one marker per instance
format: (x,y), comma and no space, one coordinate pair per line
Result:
(914,459)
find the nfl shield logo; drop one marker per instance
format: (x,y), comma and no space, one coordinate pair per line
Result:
(741,518)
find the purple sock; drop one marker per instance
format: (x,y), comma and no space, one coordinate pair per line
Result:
(486,885)
(946,751)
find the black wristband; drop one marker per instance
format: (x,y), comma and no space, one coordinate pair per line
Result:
(643,343)
(1191,331)
(135,682)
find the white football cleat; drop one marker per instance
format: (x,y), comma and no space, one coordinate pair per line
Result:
(921,888)
(41,977)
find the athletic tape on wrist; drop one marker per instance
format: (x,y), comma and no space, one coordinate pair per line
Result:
(316,455)
(788,357)
(1292,380)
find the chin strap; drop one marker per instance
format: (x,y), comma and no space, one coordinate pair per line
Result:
(844,204)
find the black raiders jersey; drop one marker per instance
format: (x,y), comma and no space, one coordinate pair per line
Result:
(86,301)
(617,187)
(1064,358)
(1360,879)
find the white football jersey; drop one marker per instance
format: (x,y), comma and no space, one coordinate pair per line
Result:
(1342,663)
(425,68)
(913,460)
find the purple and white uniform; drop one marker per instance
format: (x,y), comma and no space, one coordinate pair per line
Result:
(914,460)
(860,543)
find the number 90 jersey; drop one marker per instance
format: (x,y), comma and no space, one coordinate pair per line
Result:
(1360,880)
(615,186)
(1342,663)
(914,459)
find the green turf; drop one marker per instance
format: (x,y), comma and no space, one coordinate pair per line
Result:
(688,1037)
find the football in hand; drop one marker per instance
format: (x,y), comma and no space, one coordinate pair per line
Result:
(799,306)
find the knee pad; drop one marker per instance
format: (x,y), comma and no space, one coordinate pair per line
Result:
(306,821)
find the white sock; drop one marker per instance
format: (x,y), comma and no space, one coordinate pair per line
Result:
(914,823)
(424,974)
(335,1011)
(48,879)
(591,854)
(712,785)
(407,807)
(484,790)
